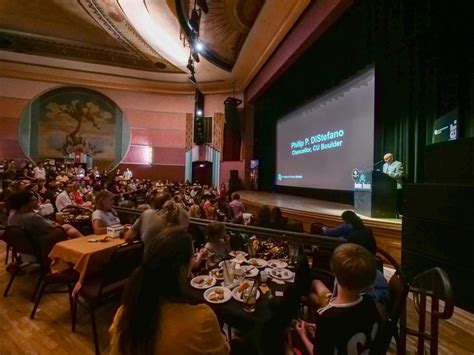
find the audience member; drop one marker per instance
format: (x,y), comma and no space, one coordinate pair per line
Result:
(236,206)
(155,319)
(104,216)
(347,321)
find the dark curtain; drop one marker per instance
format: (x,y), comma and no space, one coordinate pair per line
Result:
(423,66)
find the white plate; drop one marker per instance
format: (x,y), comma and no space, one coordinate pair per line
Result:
(209,292)
(282,274)
(238,295)
(234,253)
(259,262)
(275,263)
(205,284)
(213,275)
(252,273)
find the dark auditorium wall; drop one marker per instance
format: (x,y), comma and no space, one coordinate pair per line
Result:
(421,53)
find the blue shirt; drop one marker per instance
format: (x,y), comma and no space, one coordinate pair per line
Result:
(341,230)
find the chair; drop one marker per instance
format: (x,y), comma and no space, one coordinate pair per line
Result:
(20,243)
(67,277)
(399,288)
(432,283)
(111,281)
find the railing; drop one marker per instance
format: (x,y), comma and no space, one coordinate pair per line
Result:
(328,243)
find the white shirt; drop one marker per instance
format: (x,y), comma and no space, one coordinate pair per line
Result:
(109,218)
(127,174)
(39,173)
(63,200)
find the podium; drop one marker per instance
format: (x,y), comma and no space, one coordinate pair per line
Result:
(375,194)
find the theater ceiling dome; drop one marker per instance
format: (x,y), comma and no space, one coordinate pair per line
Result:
(142,42)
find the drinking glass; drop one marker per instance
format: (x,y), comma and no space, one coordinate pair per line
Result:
(249,296)
(264,275)
(228,273)
(293,252)
(252,247)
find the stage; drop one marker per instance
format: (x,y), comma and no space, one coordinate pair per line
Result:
(387,232)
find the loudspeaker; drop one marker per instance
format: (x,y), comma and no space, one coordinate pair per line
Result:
(199,122)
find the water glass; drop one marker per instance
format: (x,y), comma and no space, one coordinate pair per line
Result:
(249,296)
(228,273)
(264,275)
(293,252)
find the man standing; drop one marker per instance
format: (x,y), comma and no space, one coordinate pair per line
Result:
(127,174)
(394,169)
(39,172)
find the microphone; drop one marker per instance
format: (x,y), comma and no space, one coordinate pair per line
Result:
(380,161)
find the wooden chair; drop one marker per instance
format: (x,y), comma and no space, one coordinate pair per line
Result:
(395,309)
(66,278)
(109,282)
(20,243)
(435,284)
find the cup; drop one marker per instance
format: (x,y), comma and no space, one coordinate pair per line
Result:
(228,273)
(293,252)
(264,275)
(249,296)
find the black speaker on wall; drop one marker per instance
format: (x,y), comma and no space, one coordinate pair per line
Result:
(199,121)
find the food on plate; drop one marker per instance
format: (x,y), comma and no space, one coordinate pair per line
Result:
(243,287)
(217,273)
(217,295)
(209,281)
(253,262)
(200,281)
(273,265)
(264,288)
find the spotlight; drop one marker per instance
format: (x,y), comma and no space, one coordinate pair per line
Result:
(198,46)
(195,56)
(194,20)
(199,113)
(190,65)
(203,5)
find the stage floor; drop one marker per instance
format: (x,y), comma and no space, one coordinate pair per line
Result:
(306,204)
(387,231)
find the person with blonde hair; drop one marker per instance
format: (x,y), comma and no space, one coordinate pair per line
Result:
(152,222)
(348,319)
(104,215)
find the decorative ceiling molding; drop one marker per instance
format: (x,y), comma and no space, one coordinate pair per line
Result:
(109,15)
(59,48)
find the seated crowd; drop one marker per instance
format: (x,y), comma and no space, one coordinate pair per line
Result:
(345,316)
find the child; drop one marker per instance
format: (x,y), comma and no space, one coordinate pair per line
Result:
(348,321)
(217,246)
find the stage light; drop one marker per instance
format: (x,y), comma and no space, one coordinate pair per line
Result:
(190,65)
(195,56)
(198,46)
(199,113)
(203,5)
(195,20)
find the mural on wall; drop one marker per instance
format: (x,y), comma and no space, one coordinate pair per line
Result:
(76,123)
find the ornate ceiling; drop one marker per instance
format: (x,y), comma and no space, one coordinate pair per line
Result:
(140,42)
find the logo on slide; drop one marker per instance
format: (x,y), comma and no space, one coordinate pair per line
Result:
(279,177)
(355,175)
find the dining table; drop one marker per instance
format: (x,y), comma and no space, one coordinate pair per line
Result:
(86,255)
(273,310)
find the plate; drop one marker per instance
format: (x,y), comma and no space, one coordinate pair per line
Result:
(250,270)
(207,281)
(227,294)
(275,263)
(282,274)
(234,253)
(213,273)
(238,295)
(257,262)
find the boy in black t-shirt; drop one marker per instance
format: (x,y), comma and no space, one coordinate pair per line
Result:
(348,324)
